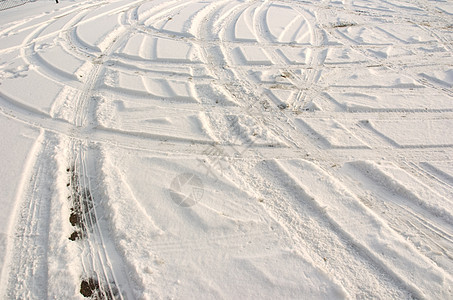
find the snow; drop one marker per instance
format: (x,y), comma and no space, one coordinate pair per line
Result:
(333,133)
(243,29)
(251,55)
(226,149)
(421,133)
(19,138)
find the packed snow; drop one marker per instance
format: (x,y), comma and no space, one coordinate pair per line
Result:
(234,149)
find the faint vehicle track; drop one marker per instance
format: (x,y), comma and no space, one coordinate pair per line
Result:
(426,230)
(28,258)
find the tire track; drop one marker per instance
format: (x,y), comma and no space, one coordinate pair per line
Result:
(370,257)
(100,279)
(251,94)
(399,69)
(430,234)
(27,258)
(307,226)
(28,275)
(100,276)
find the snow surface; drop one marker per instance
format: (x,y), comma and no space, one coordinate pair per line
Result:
(226,149)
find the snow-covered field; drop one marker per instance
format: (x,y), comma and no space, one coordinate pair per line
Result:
(226,149)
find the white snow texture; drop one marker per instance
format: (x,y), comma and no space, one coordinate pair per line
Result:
(229,149)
